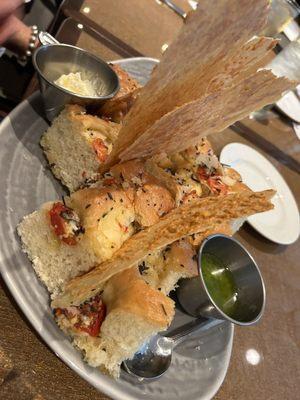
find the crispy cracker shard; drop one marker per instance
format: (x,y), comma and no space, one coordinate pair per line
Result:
(198,216)
(207,79)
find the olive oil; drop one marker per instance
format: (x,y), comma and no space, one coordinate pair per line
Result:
(220,283)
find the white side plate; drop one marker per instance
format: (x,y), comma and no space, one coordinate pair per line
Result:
(289,104)
(281,225)
(199,365)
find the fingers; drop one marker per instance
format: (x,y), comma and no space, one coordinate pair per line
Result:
(7,29)
(7,7)
(15,35)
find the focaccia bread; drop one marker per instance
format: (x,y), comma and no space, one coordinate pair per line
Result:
(63,241)
(116,108)
(54,261)
(112,326)
(195,172)
(95,221)
(76,144)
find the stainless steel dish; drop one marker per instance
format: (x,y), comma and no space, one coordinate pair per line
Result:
(194,295)
(55,59)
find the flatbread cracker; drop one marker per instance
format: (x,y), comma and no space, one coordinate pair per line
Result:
(186,125)
(215,50)
(195,217)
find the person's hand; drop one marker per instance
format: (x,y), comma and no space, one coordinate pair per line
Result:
(14,34)
(8,7)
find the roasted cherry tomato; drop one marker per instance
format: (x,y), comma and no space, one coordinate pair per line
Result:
(202,173)
(100,150)
(123,227)
(109,181)
(214,182)
(59,223)
(88,316)
(95,313)
(216,185)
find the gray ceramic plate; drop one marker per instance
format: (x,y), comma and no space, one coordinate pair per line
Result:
(199,365)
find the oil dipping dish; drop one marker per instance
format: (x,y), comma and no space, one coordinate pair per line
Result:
(229,285)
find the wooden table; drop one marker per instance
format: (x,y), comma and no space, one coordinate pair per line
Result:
(30,371)
(121,29)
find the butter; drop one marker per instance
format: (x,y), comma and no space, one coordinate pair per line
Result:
(74,83)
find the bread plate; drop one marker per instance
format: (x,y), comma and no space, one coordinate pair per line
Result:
(199,365)
(281,225)
(289,105)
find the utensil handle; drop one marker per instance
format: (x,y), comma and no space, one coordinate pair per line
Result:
(203,324)
(45,38)
(175,8)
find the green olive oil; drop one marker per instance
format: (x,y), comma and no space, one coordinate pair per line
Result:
(220,283)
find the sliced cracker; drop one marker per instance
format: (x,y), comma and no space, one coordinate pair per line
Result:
(215,51)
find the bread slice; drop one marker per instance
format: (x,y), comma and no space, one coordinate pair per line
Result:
(76,144)
(105,216)
(193,173)
(150,197)
(135,312)
(54,262)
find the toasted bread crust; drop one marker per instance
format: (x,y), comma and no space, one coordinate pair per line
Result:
(127,291)
(115,109)
(150,196)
